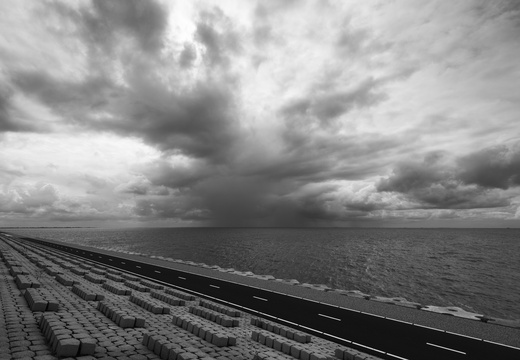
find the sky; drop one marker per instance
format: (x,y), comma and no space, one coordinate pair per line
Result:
(128,113)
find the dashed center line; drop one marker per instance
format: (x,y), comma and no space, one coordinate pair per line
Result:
(157,271)
(329,317)
(182,278)
(137,266)
(122,262)
(215,286)
(260,298)
(446,348)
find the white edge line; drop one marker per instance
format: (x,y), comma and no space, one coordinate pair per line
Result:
(396,356)
(466,336)
(446,348)
(401,321)
(427,327)
(332,336)
(329,317)
(368,347)
(496,343)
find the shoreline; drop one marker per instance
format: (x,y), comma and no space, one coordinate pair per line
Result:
(476,329)
(394,300)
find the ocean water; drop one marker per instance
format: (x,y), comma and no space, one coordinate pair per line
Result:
(475,269)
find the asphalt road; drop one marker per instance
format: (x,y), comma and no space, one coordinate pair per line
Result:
(387,338)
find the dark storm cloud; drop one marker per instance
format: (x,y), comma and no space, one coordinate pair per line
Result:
(163,173)
(145,21)
(436,183)
(330,105)
(498,167)
(6,123)
(198,123)
(65,96)
(14,118)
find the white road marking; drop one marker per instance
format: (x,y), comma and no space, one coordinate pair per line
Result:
(215,286)
(260,298)
(157,271)
(446,348)
(182,278)
(122,262)
(329,317)
(395,356)
(137,266)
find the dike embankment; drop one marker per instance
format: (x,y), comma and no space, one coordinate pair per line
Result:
(56,305)
(382,330)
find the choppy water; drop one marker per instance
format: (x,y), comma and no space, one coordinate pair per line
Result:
(476,269)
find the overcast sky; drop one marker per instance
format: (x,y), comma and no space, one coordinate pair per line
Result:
(260,113)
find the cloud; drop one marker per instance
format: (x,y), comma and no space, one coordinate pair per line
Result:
(497,167)
(106,21)
(216,32)
(36,199)
(188,56)
(330,105)
(441,182)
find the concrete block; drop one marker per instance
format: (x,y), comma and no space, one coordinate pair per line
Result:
(208,336)
(348,355)
(190,327)
(219,339)
(127,321)
(315,356)
(52,306)
(295,351)
(286,348)
(261,338)
(277,345)
(39,305)
(157,347)
(151,343)
(300,337)
(67,347)
(338,353)
(305,354)
(232,341)
(269,341)
(87,346)
(165,351)
(140,322)
(186,356)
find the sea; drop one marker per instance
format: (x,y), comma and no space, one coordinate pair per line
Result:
(477,270)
